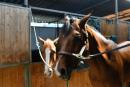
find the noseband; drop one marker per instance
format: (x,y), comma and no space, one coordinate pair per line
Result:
(78,56)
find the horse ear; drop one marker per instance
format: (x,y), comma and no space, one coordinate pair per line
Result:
(66,24)
(41,40)
(56,40)
(83,21)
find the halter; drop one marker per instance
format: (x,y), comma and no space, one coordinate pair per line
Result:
(80,56)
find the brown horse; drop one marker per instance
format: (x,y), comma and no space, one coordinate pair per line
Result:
(49,55)
(110,69)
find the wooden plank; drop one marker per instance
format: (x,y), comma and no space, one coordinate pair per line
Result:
(14,35)
(7,35)
(2,32)
(24,37)
(78,79)
(13,32)
(27,35)
(10,31)
(123,33)
(107,28)
(124,13)
(125,19)
(12,77)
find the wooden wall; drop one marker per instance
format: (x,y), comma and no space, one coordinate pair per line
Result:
(108,29)
(78,79)
(123,31)
(21,76)
(12,77)
(17,76)
(14,34)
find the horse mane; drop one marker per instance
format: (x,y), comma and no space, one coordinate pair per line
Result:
(94,32)
(102,43)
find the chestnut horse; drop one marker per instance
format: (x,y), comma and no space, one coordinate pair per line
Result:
(49,55)
(50,49)
(108,69)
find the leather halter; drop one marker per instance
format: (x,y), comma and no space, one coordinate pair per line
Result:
(80,56)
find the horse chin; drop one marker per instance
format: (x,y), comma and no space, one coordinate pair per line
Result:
(65,77)
(48,74)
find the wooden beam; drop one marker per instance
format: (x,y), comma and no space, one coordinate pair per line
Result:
(125,19)
(122,14)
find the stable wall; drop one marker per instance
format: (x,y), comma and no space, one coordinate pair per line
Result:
(14,34)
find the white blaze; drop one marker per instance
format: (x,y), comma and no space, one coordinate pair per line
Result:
(47,58)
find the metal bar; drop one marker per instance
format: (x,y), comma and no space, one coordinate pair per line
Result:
(26,3)
(93,6)
(26,75)
(116,19)
(12,65)
(116,9)
(56,11)
(30,19)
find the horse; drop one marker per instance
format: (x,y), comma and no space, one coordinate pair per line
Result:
(50,49)
(49,54)
(107,67)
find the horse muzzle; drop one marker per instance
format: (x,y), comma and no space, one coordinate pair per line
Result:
(49,73)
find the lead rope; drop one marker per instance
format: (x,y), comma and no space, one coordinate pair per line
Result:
(38,46)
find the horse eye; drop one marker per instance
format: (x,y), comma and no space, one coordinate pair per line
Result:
(77,36)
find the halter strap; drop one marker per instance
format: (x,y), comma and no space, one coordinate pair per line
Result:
(108,51)
(80,56)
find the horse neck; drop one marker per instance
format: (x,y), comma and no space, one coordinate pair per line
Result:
(96,39)
(98,43)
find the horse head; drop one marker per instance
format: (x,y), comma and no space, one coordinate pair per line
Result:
(72,42)
(49,54)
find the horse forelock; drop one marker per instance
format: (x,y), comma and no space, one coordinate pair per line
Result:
(49,44)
